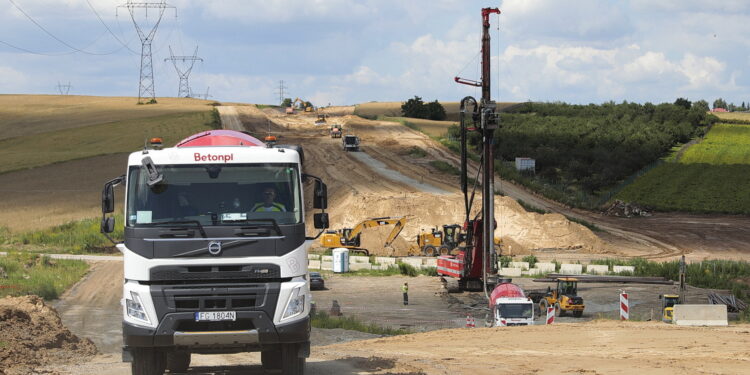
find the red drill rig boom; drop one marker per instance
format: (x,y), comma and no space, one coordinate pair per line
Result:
(475,265)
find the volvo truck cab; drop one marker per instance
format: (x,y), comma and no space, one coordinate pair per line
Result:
(215,252)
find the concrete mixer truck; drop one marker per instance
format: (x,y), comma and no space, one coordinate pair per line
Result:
(510,306)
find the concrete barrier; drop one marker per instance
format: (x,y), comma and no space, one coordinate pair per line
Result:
(545,267)
(385,260)
(597,269)
(571,269)
(313,264)
(327,258)
(328,266)
(700,315)
(510,271)
(358,259)
(618,269)
(429,262)
(521,265)
(313,256)
(359,266)
(414,262)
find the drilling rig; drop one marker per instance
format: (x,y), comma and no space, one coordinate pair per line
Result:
(474,267)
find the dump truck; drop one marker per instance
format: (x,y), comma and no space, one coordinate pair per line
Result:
(335,131)
(564,298)
(350,142)
(204,272)
(510,306)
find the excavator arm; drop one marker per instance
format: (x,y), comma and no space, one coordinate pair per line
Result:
(399,223)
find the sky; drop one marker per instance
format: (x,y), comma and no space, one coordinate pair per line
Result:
(343,52)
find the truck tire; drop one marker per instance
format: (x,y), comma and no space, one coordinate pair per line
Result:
(429,251)
(271,359)
(148,362)
(291,363)
(444,250)
(178,361)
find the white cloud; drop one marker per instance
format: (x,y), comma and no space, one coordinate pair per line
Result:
(12,80)
(702,72)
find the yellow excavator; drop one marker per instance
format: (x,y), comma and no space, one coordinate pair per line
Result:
(349,238)
(667,307)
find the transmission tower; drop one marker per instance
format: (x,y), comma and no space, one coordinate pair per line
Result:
(146,85)
(188,62)
(204,96)
(63,89)
(281,91)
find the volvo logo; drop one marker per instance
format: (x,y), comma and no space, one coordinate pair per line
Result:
(214,248)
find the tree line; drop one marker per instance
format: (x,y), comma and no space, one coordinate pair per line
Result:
(595,146)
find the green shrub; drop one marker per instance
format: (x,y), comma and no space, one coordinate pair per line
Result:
(505,261)
(39,275)
(417,152)
(407,269)
(532,259)
(77,237)
(444,167)
(323,320)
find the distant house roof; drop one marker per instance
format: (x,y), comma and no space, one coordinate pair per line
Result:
(719,110)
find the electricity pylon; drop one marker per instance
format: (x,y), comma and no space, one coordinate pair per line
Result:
(146,83)
(63,89)
(184,90)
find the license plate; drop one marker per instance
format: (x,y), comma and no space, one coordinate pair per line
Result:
(215,316)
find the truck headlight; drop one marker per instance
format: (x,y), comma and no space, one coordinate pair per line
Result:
(135,308)
(295,305)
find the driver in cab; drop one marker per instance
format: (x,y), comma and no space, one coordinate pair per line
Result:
(268,204)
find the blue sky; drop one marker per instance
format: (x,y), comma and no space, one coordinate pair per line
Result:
(345,52)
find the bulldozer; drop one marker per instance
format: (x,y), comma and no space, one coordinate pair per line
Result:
(321,120)
(667,306)
(437,242)
(564,298)
(349,238)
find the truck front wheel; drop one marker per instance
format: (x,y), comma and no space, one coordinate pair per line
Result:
(178,361)
(148,362)
(291,363)
(271,359)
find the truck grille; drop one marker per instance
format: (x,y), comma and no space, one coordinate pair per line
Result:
(193,326)
(214,297)
(187,274)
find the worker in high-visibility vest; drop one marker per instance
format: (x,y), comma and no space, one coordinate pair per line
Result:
(268,204)
(405,290)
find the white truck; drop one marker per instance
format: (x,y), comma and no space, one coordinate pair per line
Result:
(215,252)
(510,306)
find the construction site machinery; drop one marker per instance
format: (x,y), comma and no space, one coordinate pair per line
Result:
(474,267)
(204,272)
(510,306)
(436,242)
(336,130)
(349,238)
(564,298)
(667,306)
(350,142)
(321,120)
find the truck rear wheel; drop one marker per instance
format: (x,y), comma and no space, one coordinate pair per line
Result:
(429,251)
(178,361)
(291,363)
(148,362)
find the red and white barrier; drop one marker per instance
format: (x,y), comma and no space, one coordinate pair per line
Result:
(550,315)
(470,322)
(624,308)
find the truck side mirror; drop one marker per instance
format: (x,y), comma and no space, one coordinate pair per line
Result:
(321,220)
(320,196)
(108,225)
(108,199)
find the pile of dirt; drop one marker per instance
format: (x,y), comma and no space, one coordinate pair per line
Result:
(32,335)
(523,231)
(625,209)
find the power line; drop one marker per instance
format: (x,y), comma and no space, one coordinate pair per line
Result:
(63,89)
(58,39)
(184,89)
(34,52)
(108,29)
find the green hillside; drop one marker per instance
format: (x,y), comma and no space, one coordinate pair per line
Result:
(711,176)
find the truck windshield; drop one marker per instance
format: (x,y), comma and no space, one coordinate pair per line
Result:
(215,194)
(515,310)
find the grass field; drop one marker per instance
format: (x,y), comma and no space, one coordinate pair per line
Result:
(24,115)
(82,142)
(430,127)
(711,176)
(40,275)
(724,144)
(737,116)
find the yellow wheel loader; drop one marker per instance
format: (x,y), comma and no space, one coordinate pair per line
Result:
(349,238)
(564,298)
(667,306)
